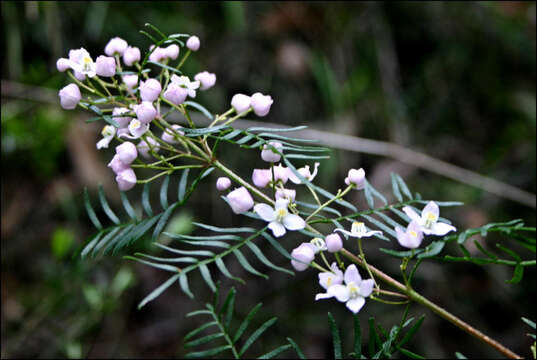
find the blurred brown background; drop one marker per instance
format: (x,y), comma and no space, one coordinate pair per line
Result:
(452,80)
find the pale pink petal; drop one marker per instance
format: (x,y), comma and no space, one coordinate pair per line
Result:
(431,207)
(321,296)
(366,287)
(346,232)
(352,275)
(411,213)
(266,212)
(356,304)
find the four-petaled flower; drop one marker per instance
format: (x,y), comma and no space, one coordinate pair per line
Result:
(327,279)
(184,82)
(279,217)
(428,221)
(359,230)
(412,237)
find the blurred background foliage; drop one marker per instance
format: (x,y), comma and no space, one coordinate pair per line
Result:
(453,80)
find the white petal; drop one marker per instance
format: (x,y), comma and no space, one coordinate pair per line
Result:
(441,229)
(321,296)
(281,204)
(103,143)
(371,233)
(277,228)
(356,304)
(352,275)
(431,207)
(366,287)
(294,222)
(346,232)
(265,211)
(411,213)
(341,292)
(314,172)
(294,179)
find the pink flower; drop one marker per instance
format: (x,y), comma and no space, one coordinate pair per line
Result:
(172,51)
(288,194)
(206,79)
(130,81)
(169,135)
(411,237)
(305,172)
(240,103)
(327,279)
(69,96)
(175,94)
(240,200)
(105,66)
(356,178)
(108,133)
(131,55)
(270,156)
(261,177)
(145,112)
(127,152)
(143,146)
(428,220)
(222,183)
(261,104)
(115,46)
(158,54)
(62,64)
(184,82)
(126,179)
(302,256)
(281,173)
(117,165)
(123,121)
(150,90)
(333,243)
(193,43)
(137,129)
(81,63)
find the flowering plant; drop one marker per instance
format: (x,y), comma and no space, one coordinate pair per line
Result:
(136,97)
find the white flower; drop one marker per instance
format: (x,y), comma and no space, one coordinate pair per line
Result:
(108,133)
(305,173)
(327,279)
(137,129)
(428,220)
(353,293)
(279,217)
(184,81)
(80,61)
(359,230)
(412,237)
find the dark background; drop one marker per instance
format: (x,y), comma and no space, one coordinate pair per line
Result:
(452,80)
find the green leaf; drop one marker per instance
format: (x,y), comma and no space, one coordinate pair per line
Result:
(165,267)
(246,265)
(336,340)
(256,334)
(403,186)
(509,252)
(163,220)
(259,254)
(529,322)
(400,254)
(232,134)
(374,340)
(244,139)
(155,29)
(106,207)
(369,197)
(155,293)
(517,275)
(225,230)
(172,36)
(183,282)
(275,352)
(203,131)
(200,329)
(164,192)
(395,188)
(267,129)
(458,355)
(200,108)
(90,211)
(105,240)
(91,243)
(207,353)
(410,354)
(223,269)
(246,322)
(380,225)
(185,252)
(182,185)
(172,69)
(276,245)
(432,249)
(410,333)
(203,340)
(145,200)
(228,307)
(205,273)
(375,193)
(118,238)
(357,337)
(127,206)
(297,348)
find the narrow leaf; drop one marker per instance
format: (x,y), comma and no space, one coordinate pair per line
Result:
(335,336)
(228,307)
(410,333)
(164,192)
(163,220)
(91,244)
(275,352)
(196,331)
(374,340)
(357,337)
(155,293)
(207,353)
(223,269)
(246,265)
(127,206)
(369,197)
(203,340)
(375,193)
(403,186)
(432,249)
(205,273)
(111,215)
(90,211)
(259,254)
(395,188)
(297,348)
(517,275)
(410,354)
(256,334)
(246,322)
(145,200)
(182,185)
(183,282)
(172,69)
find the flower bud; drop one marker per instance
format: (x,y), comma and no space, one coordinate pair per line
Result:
(105,66)
(115,46)
(143,146)
(193,43)
(356,177)
(240,200)
(261,177)
(130,80)
(150,90)
(172,51)
(302,256)
(62,64)
(333,243)
(127,152)
(222,183)
(169,135)
(69,96)
(261,104)
(206,79)
(137,129)
(117,165)
(131,55)
(240,103)
(288,194)
(145,112)
(270,156)
(175,93)
(126,179)
(123,121)
(158,54)
(281,173)
(79,76)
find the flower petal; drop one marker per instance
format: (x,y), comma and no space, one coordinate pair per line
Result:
(431,207)
(441,229)
(341,292)
(366,287)
(294,222)
(411,213)
(321,296)
(265,211)
(281,204)
(355,304)
(352,275)
(277,228)
(346,232)
(371,233)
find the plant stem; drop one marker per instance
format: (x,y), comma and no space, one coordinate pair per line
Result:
(415,296)
(338,196)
